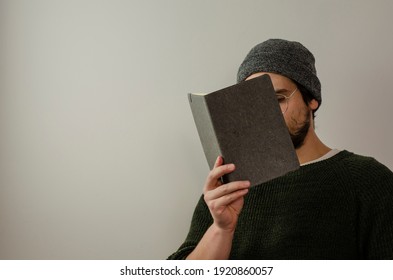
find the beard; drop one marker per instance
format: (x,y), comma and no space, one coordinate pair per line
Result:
(298,130)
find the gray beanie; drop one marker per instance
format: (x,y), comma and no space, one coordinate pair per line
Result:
(290,59)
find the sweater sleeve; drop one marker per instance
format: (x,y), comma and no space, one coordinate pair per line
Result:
(201,221)
(376,212)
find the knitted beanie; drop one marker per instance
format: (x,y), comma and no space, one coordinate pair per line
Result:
(287,58)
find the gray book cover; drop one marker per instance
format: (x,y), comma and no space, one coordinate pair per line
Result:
(244,124)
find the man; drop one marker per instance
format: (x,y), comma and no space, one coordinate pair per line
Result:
(338,205)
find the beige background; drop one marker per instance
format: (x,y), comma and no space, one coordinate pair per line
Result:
(99,156)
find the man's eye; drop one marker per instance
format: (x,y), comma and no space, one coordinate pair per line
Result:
(280,98)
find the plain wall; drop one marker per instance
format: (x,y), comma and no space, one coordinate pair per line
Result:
(99,155)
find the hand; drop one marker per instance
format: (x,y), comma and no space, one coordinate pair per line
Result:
(225,201)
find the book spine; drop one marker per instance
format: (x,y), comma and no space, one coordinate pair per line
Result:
(205,127)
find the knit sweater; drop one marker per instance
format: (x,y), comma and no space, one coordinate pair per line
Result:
(339,208)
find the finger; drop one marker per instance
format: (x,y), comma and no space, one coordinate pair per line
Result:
(226,189)
(224,201)
(219,161)
(218,183)
(216,173)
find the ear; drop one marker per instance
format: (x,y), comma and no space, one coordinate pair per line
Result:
(313,104)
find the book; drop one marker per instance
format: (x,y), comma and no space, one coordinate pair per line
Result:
(244,124)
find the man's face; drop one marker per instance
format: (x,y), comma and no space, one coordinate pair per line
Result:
(298,115)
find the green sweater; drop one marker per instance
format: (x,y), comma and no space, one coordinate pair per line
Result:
(339,208)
